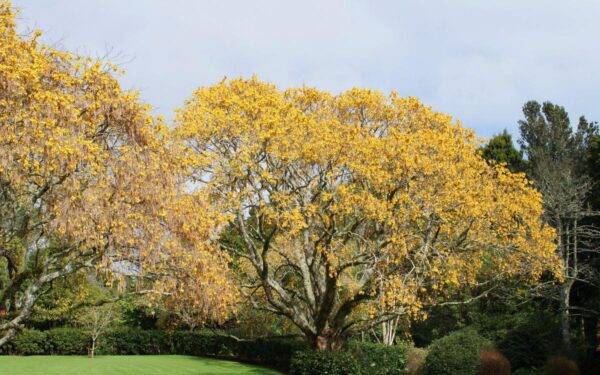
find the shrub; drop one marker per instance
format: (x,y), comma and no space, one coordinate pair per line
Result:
(132,341)
(204,343)
(30,342)
(378,359)
(415,361)
(492,362)
(67,341)
(457,354)
(273,351)
(561,366)
(527,346)
(311,362)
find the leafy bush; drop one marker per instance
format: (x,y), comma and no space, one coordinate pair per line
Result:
(377,359)
(528,345)
(359,357)
(67,341)
(30,342)
(415,361)
(133,341)
(274,351)
(311,362)
(457,354)
(204,343)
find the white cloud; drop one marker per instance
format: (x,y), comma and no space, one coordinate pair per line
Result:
(479,61)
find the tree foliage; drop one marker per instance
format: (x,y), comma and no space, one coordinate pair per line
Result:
(500,149)
(89,180)
(559,160)
(354,208)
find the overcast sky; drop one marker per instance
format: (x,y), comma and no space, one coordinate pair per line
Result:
(476,60)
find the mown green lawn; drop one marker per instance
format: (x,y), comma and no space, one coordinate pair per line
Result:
(130,365)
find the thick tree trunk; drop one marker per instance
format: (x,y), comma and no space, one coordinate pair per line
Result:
(8,335)
(565,324)
(327,340)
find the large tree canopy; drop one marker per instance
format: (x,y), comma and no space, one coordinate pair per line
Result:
(351,209)
(89,181)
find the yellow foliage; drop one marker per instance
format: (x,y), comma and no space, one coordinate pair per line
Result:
(380,193)
(99,174)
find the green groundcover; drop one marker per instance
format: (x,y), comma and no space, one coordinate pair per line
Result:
(126,364)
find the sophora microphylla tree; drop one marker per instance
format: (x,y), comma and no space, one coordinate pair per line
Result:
(355,208)
(89,181)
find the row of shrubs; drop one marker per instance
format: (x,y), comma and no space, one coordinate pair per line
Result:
(457,354)
(357,358)
(273,351)
(460,353)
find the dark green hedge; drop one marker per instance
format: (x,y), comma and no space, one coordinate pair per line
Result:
(134,341)
(67,341)
(28,342)
(377,359)
(310,362)
(274,351)
(358,357)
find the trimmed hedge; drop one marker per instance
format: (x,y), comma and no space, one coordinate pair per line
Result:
(457,354)
(29,342)
(135,341)
(311,362)
(362,358)
(377,359)
(275,351)
(280,352)
(67,341)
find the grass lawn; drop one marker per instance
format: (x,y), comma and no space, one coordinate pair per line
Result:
(130,365)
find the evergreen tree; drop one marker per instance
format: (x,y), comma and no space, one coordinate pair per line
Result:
(502,150)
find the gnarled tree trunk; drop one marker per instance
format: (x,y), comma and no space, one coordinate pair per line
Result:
(327,340)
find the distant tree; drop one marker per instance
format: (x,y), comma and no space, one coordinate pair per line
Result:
(96,320)
(558,160)
(500,149)
(594,169)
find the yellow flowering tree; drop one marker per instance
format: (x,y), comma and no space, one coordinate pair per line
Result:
(352,209)
(90,181)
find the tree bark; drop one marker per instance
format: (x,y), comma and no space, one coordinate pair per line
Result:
(388,330)
(8,335)
(327,340)
(565,328)
(93,348)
